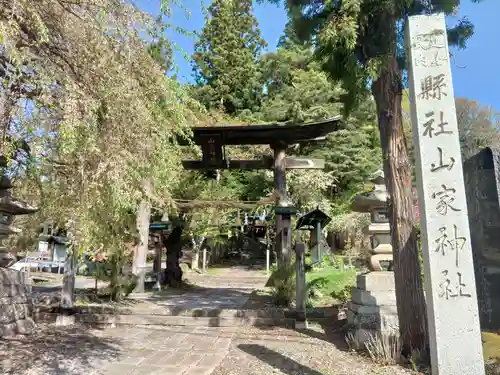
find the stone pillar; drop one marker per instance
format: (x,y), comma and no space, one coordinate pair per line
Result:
(450,286)
(300,287)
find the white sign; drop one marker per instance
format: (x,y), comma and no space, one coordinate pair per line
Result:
(452,310)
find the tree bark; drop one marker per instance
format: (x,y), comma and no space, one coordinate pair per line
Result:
(140,253)
(387,90)
(283,239)
(173,271)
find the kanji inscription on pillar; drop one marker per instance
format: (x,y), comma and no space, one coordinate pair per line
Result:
(449,274)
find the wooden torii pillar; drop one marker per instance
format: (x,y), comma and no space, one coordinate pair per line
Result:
(279,137)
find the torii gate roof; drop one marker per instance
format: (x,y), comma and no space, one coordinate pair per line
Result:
(266,134)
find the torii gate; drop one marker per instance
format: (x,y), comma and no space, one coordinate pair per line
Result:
(279,137)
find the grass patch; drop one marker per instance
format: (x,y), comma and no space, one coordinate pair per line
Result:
(491,345)
(491,352)
(328,286)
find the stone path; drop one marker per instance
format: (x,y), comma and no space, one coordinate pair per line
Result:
(185,350)
(225,289)
(116,351)
(175,350)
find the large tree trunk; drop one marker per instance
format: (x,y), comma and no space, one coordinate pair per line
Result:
(140,253)
(387,90)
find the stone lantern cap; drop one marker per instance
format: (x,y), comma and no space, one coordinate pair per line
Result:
(372,200)
(13,206)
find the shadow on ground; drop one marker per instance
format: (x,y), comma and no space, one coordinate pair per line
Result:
(56,350)
(277,360)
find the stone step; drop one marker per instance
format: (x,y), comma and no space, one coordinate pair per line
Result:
(376,281)
(166,320)
(371,309)
(373,298)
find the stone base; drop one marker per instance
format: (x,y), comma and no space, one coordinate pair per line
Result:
(301,325)
(8,329)
(377,321)
(25,326)
(376,281)
(373,298)
(65,320)
(373,310)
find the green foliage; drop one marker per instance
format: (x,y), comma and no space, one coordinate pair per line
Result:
(282,283)
(343,295)
(329,282)
(477,127)
(225,57)
(105,116)
(354,38)
(297,90)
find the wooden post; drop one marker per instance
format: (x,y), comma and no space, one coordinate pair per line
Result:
(283,222)
(300,285)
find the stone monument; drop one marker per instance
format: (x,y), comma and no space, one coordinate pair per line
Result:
(373,309)
(452,310)
(482,183)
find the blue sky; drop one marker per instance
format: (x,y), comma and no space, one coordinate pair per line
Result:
(475,71)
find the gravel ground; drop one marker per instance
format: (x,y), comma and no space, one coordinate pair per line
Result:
(285,352)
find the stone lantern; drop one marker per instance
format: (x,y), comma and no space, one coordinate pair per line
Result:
(372,309)
(375,202)
(9,207)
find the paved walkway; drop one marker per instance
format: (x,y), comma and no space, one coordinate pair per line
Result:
(224,288)
(172,350)
(116,351)
(186,350)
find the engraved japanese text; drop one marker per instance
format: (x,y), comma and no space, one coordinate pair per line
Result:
(445,243)
(430,130)
(448,289)
(441,165)
(445,198)
(432,87)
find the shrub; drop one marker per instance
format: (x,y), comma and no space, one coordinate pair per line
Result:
(384,349)
(282,283)
(343,295)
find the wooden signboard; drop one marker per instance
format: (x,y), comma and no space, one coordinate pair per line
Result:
(211,146)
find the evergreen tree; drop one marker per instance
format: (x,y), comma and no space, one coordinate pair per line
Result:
(359,43)
(225,58)
(297,91)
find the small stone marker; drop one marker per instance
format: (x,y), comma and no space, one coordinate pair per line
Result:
(300,287)
(452,310)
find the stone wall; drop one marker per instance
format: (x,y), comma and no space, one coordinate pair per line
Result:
(15,306)
(482,183)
